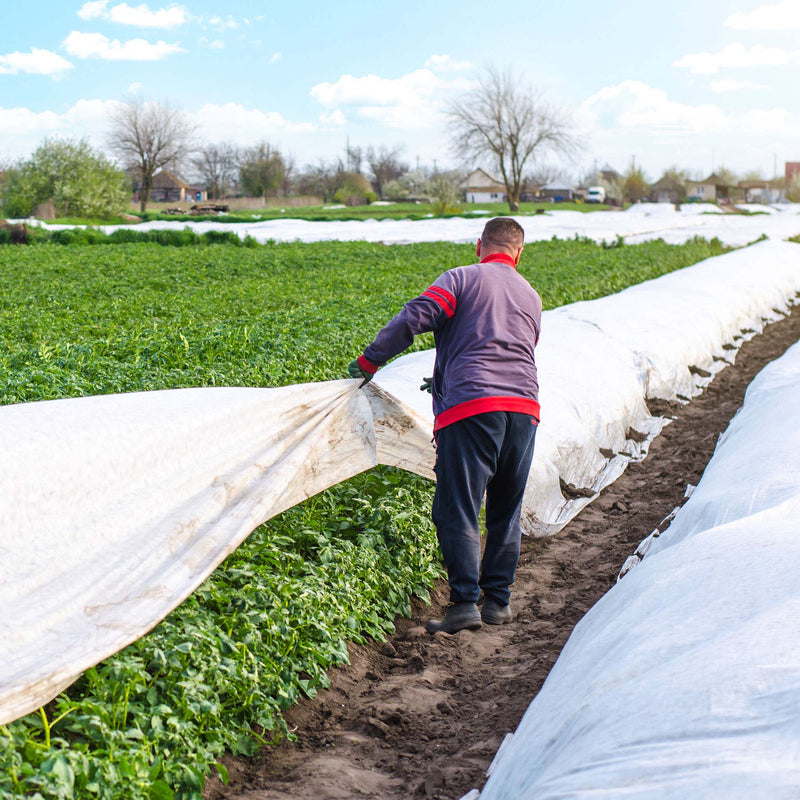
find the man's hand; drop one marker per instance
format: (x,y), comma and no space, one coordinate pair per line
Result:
(355,371)
(427,385)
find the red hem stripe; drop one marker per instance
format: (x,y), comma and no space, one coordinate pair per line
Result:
(440,301)
(523,405)
(367,365)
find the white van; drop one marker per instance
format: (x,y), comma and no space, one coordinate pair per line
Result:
(596,194)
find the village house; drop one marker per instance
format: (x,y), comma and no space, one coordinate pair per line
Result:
(557,192)
(480,187)
(167,188)
(666,190)
(758,191)
(712,189)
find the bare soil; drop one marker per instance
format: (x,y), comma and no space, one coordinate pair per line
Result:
(422,716)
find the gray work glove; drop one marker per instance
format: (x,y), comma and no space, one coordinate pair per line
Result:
(355,371)
(427,385)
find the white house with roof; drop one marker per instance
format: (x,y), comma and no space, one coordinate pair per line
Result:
(480,187)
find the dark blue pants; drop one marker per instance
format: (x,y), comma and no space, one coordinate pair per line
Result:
(487,454)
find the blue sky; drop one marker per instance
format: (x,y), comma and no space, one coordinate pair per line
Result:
(698,83)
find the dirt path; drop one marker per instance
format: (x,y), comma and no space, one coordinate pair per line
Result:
(423,716)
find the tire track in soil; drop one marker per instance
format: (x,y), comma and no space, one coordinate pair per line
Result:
(422,716)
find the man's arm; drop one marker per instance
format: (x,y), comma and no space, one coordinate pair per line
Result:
(428,312)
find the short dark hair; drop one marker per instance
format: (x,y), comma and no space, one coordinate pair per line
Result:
(503,232)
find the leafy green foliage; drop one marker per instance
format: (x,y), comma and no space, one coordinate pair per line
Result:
(214,676)
(80,181)
(151,722)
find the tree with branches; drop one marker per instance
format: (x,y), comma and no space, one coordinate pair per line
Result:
(384,164)
(508,124)
(262,170)
(217,165)
(148,136)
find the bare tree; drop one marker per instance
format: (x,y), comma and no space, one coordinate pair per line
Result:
(217,165)
(149,136)
(355,158)
(510,125)
(262,170)
(321,179)
(385,166)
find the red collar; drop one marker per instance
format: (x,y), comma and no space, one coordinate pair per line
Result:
(501,257)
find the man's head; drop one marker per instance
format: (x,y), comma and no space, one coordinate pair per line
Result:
(501,235)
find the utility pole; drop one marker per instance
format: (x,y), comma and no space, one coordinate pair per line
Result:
(434,166)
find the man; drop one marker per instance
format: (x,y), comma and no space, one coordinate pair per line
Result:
(486,320)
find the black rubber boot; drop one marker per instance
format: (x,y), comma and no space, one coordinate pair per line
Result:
(458,617)
(492,613)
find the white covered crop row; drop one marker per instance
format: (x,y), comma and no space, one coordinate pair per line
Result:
(113,509)
(683,681)
(640,222)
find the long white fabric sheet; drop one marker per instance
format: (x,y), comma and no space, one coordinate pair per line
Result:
(639,223)
(684,680)
(113,509)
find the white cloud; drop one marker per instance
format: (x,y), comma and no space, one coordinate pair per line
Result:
(335,117)
(411,101)
(737,55)
(635,119)
(16,121)
(633,104)
(229,23)
(93,9)
(372,89)
(775,121)
(773,17)
(37,62)
(22,130)
(734,86)
(95,45)
(275,57)
(135,88)
(446,64)
(245,125)
(215,44)
(141,16)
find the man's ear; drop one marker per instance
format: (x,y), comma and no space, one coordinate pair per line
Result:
(478,249)
(519,255)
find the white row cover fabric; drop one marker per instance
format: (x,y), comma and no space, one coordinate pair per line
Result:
(114,509)
(640,222)
(683,681)
(599,361)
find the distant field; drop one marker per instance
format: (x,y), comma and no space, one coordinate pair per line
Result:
(323,213)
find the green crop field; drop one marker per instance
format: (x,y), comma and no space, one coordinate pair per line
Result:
(214,676)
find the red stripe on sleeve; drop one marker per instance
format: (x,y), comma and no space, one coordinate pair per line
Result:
(440,300)
(367,366)
(444,294)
